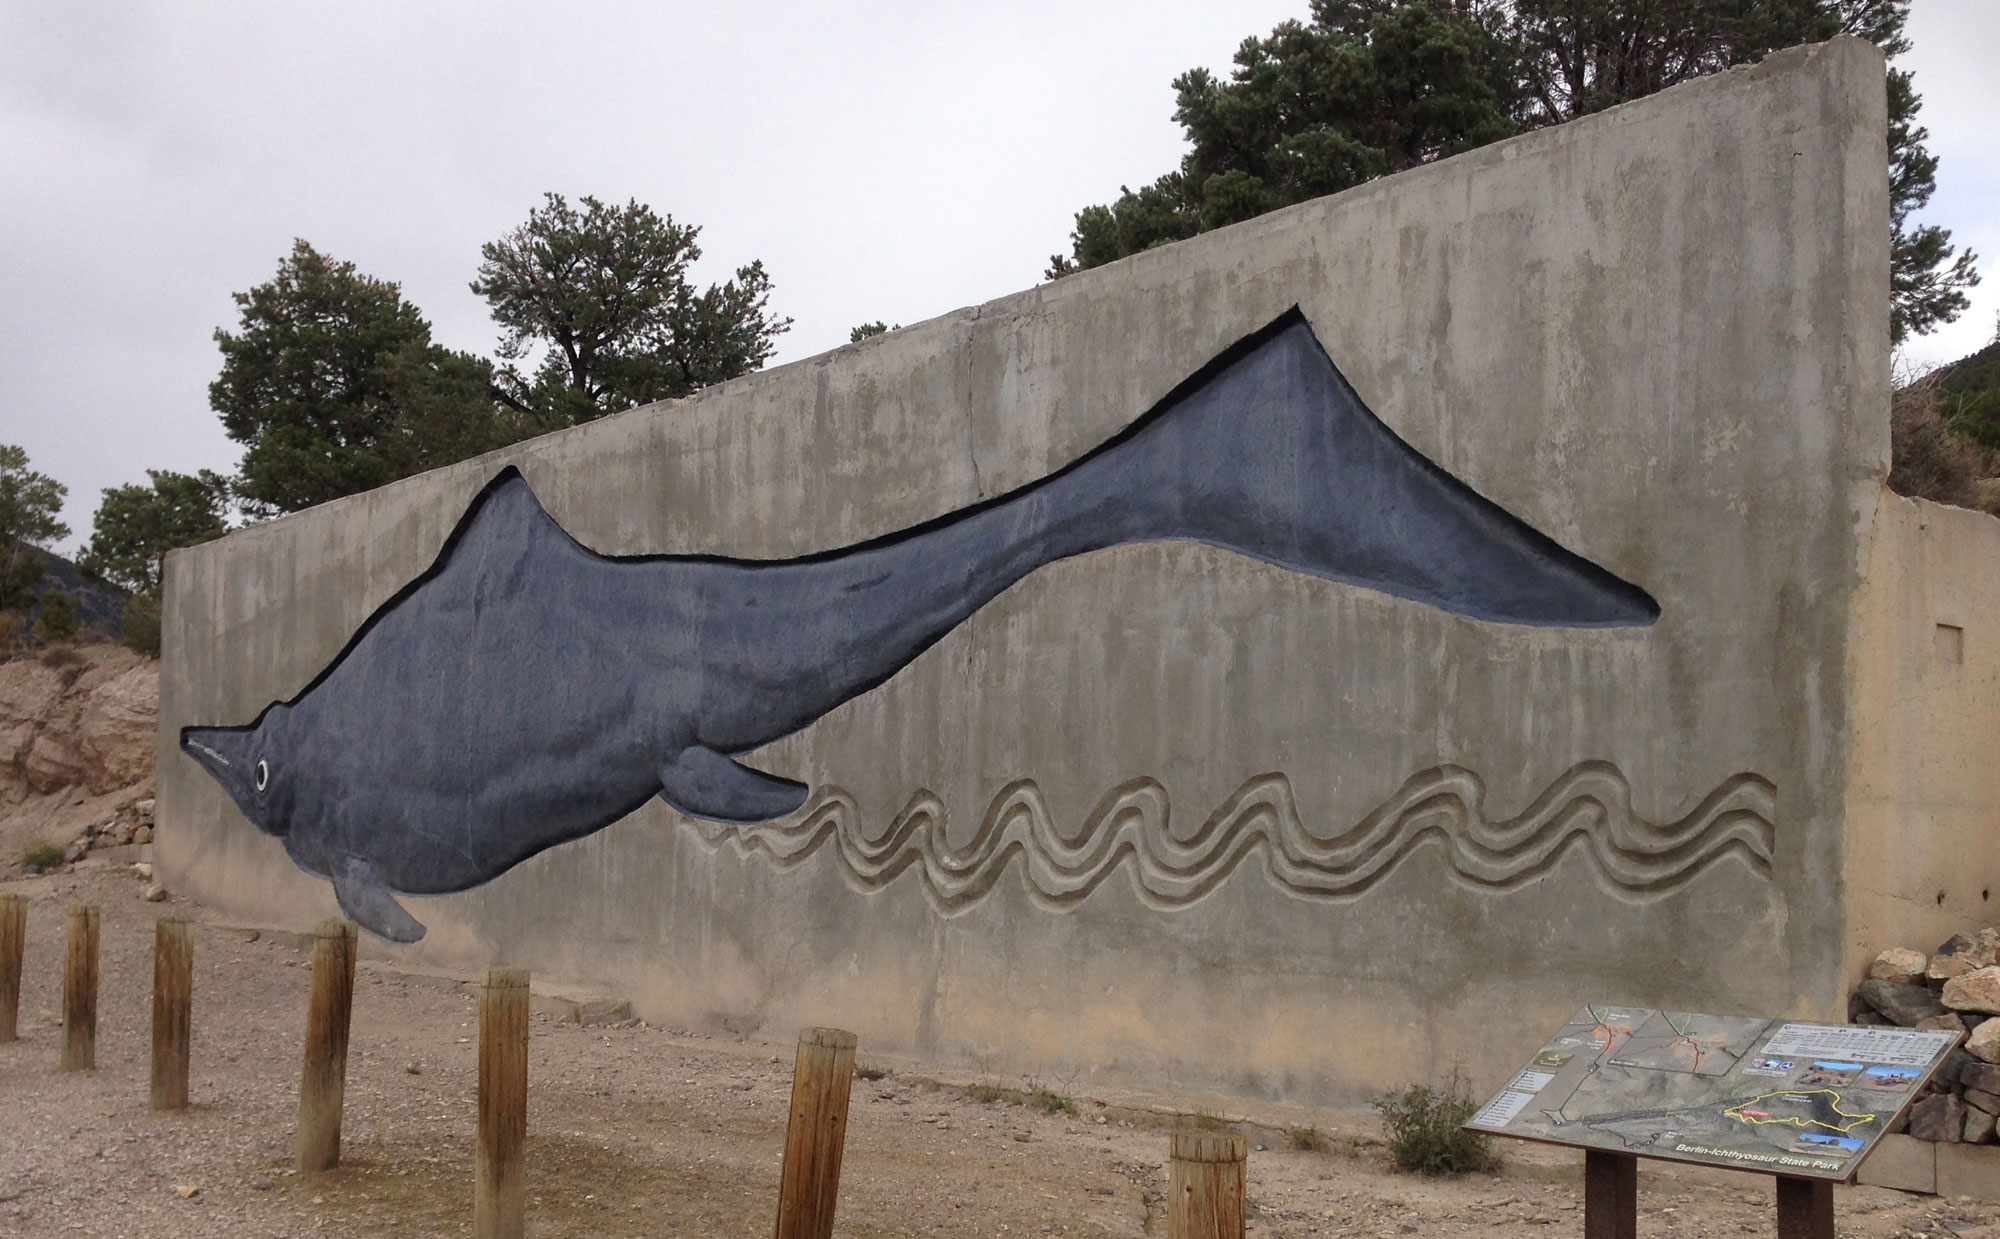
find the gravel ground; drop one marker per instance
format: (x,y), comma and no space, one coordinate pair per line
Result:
(644,1131)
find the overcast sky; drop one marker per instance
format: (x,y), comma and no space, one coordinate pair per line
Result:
(886,161)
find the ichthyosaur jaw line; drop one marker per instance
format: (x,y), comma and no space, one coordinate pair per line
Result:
(525,691)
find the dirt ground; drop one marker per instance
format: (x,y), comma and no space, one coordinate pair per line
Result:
(635,1130)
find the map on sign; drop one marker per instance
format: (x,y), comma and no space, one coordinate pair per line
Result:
(1785,1098)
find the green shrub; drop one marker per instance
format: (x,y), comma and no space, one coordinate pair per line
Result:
(58,621)
(42,852)
(1041,1097)
(1426,1129)
(140,624)
(1304,1139)
(1034,1095)
(870,1073)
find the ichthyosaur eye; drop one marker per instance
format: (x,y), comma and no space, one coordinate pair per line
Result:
(263,774)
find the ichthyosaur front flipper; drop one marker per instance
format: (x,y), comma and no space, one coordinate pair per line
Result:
(369,903)
(704,783)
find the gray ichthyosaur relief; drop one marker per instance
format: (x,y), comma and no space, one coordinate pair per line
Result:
(525,691)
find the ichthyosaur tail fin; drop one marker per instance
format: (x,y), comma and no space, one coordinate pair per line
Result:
(1270,452)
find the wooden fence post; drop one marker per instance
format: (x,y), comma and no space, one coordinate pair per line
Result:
(173,999)
(324,1084)
(13,936)
(822,1077)
(499,1194)
(1205,1198)
(79,1052)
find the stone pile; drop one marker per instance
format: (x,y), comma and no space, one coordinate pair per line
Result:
(1954,989)
(132,823)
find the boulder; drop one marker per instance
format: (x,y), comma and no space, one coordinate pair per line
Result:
(1945,967)
(1902,1002)
(1948,1022)
(1980,1099)
(1938,1118)
(1899,964)
(1981,1075)
(605,1012)
(1978,990)
(1981,950)
(143,835)
(1985,1042)
(1978,1127)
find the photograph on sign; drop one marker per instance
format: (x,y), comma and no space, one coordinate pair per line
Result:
(1772,1095)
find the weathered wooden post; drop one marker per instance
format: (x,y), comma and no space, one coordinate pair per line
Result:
(499,1193)
(1805,1208)
(13,936)
(79,1052)
(822,1077)
(173,999)
(324,1085)
(1205,1191)
(1610,1195)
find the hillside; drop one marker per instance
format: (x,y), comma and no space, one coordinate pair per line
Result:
(99,606)
(1969,395)
(77,725)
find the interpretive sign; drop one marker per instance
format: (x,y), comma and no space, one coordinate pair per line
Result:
(1803,1100)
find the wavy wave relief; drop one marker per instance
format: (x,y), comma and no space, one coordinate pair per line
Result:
(1588,807)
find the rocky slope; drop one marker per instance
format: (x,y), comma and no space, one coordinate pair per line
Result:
(77,725)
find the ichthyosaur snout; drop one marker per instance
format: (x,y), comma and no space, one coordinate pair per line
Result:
(525,691)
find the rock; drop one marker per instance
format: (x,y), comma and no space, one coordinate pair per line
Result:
(604,1012)
(1939,1118)
(1945,967)
(75,851)
(187,1191)
(1868,1019)
(1980,1099)
(1898,964)
(413,1067)
(1980,950)
(1974,991)
(144,808)
(143,835)
(1981,1075)
(1985,1042)
(156,893)
(32,871)
(124,833)
(1948,1022)
(1902,1002)
(1978,1127)
(143,868)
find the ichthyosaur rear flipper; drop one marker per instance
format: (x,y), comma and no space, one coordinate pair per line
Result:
(369,903)
(704,783)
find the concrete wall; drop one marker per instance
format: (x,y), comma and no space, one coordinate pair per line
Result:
(1658,334)
(1923,801)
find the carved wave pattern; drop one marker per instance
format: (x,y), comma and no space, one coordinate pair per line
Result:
(1588,807)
